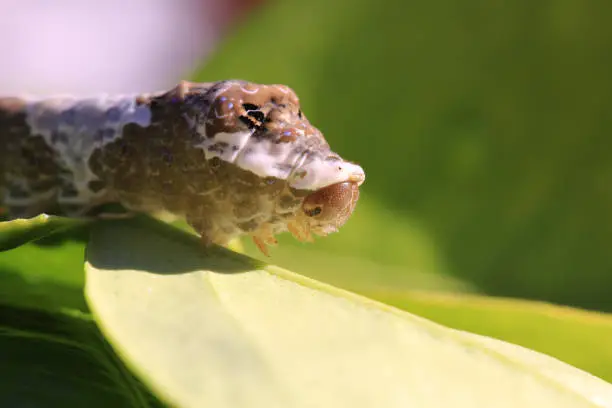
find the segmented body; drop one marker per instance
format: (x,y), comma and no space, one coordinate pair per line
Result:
(231,157)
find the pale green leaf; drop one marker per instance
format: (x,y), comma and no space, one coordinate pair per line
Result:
(213,328)
(21,231)
(578,337)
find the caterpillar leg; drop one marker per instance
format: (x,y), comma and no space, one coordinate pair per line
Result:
(263,237)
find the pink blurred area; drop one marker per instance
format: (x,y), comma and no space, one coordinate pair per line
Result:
(110,46)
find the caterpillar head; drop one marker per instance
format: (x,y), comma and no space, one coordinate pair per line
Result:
(261,130)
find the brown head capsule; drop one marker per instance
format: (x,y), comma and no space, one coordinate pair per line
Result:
(330,207)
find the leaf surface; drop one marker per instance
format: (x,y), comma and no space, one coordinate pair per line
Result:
(214,328)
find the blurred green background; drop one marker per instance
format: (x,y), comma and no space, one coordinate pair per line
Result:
(484,130)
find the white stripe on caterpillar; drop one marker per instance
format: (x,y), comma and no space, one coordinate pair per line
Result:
(74,128)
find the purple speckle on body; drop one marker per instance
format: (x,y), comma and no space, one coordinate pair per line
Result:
(88,116)
(113,114)
(68,116)
(141,116)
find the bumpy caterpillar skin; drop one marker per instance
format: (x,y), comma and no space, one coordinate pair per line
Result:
(231,157)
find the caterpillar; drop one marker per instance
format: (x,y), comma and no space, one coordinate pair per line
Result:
(231,158)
